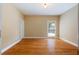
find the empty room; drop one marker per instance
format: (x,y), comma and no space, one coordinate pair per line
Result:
(39,28)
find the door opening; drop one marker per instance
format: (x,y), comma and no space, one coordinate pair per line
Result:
(51,29)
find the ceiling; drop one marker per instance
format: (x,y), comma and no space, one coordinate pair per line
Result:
(38,9)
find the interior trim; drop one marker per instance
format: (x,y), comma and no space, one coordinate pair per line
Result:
(70,42)
(8,47)
(40,37)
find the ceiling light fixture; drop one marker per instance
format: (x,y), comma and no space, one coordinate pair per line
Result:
(45,5)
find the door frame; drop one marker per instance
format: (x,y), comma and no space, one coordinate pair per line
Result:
(48,25)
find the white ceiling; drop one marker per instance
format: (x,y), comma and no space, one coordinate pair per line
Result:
(38,9)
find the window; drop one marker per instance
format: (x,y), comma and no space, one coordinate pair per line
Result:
(51,29)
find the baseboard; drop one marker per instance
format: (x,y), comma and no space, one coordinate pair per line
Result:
(8,47)
(39,37)
(70,42)
(35,37)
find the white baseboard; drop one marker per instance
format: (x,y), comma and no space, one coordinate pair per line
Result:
(8,47)
(70,42)
(40,37)
(35,37)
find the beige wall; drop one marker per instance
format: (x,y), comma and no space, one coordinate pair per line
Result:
(78,25)
(0,26)
(69,25)
(36,26)
(0,15)
(12,23)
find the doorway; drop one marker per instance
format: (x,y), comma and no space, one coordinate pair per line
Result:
(51,29)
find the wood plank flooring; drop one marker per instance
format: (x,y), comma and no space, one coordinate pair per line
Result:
(31,46)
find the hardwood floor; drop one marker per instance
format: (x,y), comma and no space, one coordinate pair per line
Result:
(42,47)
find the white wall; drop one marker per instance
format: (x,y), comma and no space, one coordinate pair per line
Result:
(12,23)
(69,25)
